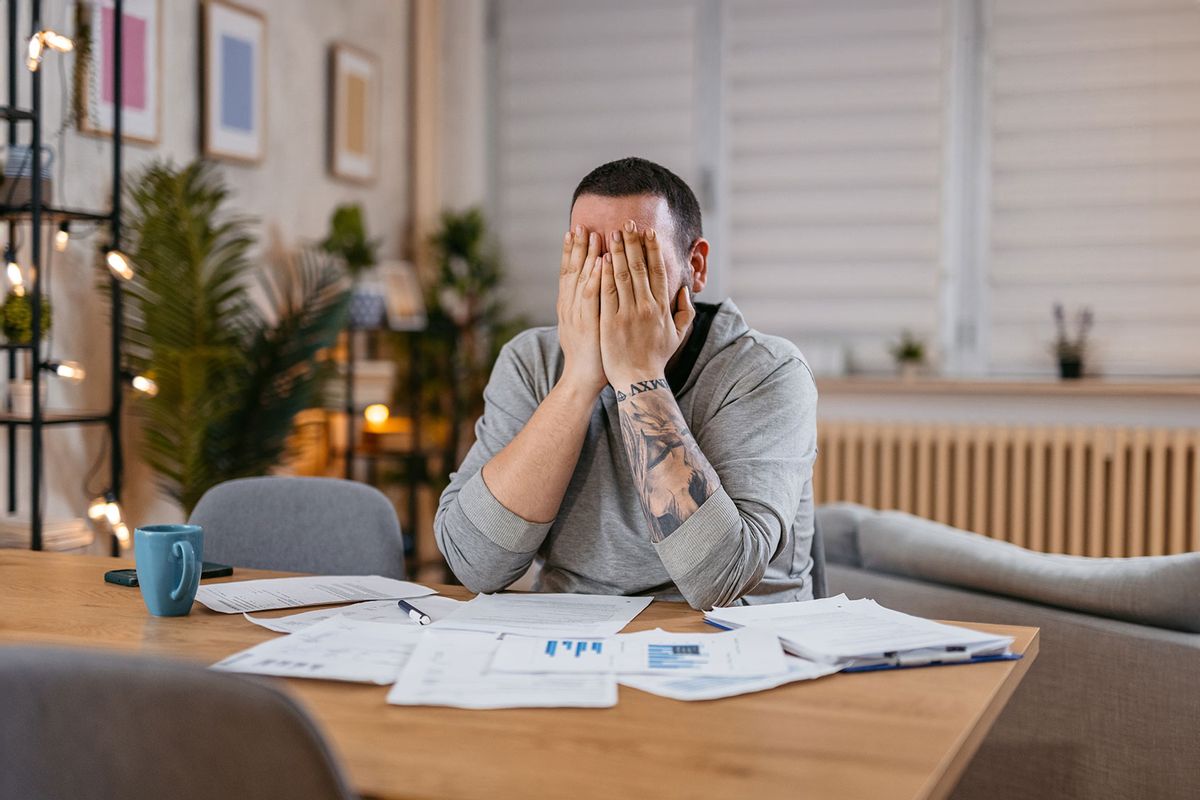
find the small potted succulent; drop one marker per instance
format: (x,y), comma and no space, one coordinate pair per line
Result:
(1069,349)
(16,322)
(909,354)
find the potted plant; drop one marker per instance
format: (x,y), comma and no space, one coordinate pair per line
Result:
(909,354)
(234,366)
(1071,350)
(17,324)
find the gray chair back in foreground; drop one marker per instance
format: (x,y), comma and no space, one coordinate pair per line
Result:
(99,726)
(320,525)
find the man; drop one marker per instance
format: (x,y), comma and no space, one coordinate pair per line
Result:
(647,445)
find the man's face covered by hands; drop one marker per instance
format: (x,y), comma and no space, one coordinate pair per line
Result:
(601,215)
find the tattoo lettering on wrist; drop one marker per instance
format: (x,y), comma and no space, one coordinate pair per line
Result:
(642,386)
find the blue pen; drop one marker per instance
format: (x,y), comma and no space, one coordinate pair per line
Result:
(415,614)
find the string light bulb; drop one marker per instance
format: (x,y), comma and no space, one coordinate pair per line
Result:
(13,271)
(98,509)
(62,237)
(144,385)
(42,40)
(376,414)
(70,370)
(119,264)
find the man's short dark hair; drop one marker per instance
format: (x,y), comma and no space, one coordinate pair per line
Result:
(632,176)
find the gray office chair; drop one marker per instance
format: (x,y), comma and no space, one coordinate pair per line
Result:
(817,575)
(319,525)
(100,726)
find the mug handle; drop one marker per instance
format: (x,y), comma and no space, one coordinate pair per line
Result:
(182,549)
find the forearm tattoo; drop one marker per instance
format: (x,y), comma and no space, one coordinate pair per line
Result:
(672,476)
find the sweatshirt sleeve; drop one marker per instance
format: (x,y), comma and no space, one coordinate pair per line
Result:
(486,545)
(761,443)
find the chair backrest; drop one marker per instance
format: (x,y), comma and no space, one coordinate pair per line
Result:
(817,553)
(320,525)
(87,724)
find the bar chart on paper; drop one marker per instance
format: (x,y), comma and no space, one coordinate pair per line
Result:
(560,654)
(574,648)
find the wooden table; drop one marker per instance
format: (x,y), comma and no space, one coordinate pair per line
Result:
(894,734)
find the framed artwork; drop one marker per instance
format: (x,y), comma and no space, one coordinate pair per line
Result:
(233,103)
(141,69)
(353,113)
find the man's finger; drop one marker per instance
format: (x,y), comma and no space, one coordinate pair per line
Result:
(620,269)
(593,250)
(591,287)
(608,289)
(657,268)
(635,257)
(686,313)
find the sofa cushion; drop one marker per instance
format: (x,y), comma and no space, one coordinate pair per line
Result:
(838,524)
(1163,591)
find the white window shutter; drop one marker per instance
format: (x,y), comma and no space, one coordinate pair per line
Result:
(1095,142)
(579,84)
(834,125)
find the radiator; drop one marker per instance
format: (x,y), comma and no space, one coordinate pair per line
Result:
(1077,490)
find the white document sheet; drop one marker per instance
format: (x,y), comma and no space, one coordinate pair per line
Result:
(702,687)
(575,615)
(450,668)
(238,597)
(382,611)
(837,629)
(337,649)
(739,653)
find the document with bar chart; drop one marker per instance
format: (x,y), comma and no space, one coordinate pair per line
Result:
(746,652)
(658,652)
(563,654)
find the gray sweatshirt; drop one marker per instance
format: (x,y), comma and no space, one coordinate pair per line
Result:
(750,402)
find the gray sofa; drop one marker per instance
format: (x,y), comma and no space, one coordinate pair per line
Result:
(1111,706)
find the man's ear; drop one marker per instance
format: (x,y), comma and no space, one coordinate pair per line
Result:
(698,262)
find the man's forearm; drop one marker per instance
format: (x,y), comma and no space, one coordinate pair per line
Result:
(673,477)
(530,475)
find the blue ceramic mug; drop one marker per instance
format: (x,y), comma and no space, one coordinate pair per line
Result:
(169,559)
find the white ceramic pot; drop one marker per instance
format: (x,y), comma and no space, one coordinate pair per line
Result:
(20,396)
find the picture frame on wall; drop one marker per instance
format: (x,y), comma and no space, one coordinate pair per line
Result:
(233,45)
(353,113)
(141,69)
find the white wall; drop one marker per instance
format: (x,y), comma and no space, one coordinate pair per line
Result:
(290,192)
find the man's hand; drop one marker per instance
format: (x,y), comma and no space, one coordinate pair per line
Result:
(579,311)
(638,331)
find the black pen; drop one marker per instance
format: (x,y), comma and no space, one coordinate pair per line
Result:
(415,614)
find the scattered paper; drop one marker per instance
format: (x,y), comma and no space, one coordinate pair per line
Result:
(682,687)
(575,615)
(740,653)
(336,649)
(836,629)
(381,611)
(263,595)
(450,668)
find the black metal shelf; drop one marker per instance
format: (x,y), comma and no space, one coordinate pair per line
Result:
(38,206)
(58,418)
(53,214)
(15,114)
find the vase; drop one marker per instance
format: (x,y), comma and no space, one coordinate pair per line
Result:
(1070,369)
(909,370)
(20,397)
